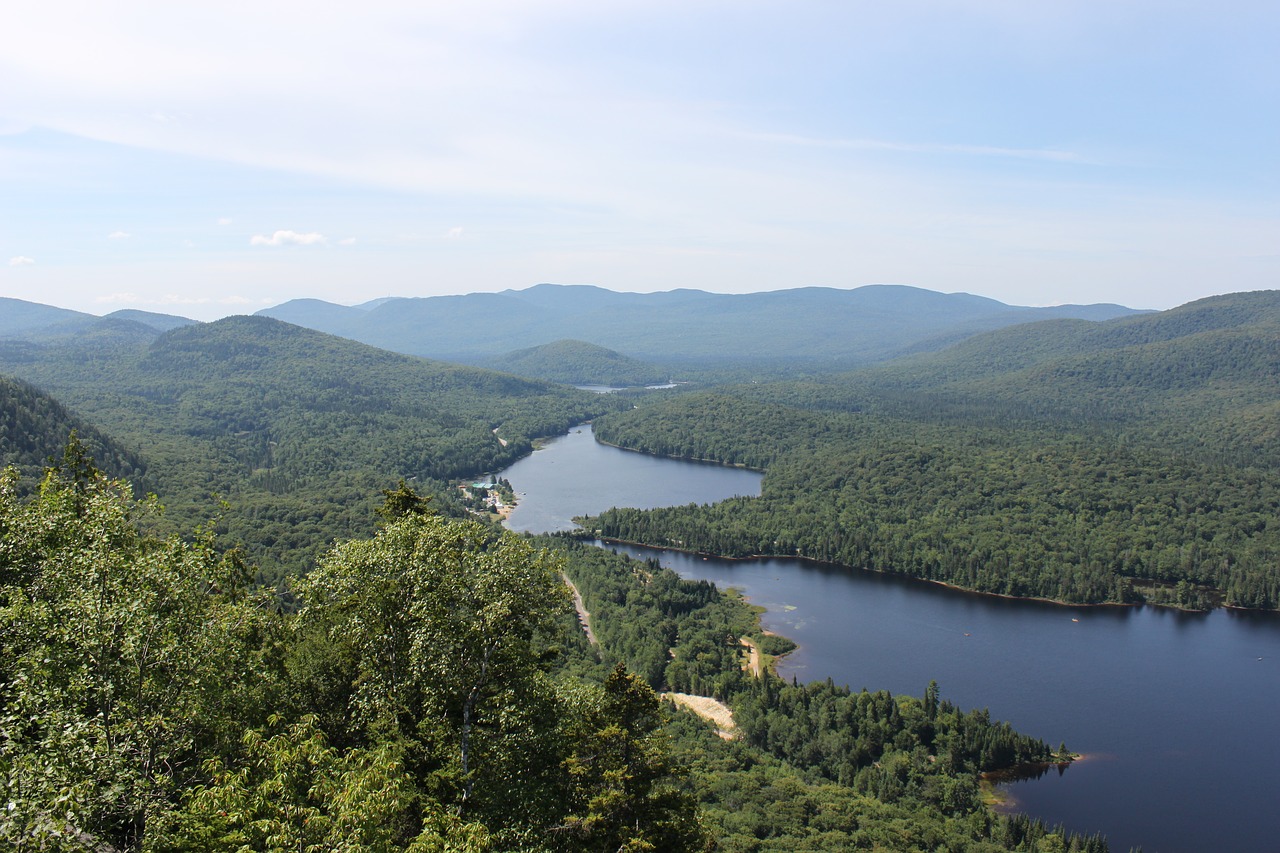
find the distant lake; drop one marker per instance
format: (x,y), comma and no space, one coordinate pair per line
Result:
(1175,712)
(575,475)
(612,389)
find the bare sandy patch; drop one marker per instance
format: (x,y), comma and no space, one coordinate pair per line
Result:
(709,709)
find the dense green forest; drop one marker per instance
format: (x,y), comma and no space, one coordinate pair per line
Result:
(34,429)
(816,767)
(306,666)
(1134,460)
(432,693)
(152,700)
(295,430)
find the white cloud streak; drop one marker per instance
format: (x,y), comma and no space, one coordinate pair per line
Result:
(21,261)
(171,299)
(1046,154)
(287,238)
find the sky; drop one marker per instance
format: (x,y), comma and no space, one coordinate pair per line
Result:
(218,158)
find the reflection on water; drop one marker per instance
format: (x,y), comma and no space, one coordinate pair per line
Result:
(1027,772)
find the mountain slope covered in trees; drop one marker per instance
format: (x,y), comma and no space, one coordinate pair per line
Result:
(1124,461)
(34,429)
(294,428)
(431,693)
(578,363)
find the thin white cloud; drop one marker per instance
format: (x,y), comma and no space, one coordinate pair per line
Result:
(224,220)
(179,299)
(1048,154)
(287,238)
(21,261)
(347,241)
(131,298)
(113,298)
(454,233)
(119,235)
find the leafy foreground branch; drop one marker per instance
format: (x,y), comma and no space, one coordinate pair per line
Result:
(150,701)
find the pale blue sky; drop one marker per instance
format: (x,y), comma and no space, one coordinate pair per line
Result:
(218,160)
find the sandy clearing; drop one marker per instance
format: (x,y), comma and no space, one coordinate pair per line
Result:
(709,709)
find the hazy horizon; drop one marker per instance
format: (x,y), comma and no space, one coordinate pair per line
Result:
(207,160)
(206,316)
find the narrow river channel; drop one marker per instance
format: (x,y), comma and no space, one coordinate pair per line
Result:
(1175,712)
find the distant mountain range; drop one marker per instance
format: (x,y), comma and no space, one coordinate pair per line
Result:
(22,320)
(856,326)
(656,331)
(1204,376)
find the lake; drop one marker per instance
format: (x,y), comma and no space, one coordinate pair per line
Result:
(1175,712)
(576,475)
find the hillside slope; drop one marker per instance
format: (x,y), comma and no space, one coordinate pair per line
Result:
(34,429)
(578,363)
(1133,460)
(297,429)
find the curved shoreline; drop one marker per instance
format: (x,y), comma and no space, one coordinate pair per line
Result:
(739,465)
(999,800)
(945,584)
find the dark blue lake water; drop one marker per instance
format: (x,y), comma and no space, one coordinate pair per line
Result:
(1176,713)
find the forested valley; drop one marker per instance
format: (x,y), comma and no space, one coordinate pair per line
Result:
(295,430)
(1127,461)
(433,691)
(339,658)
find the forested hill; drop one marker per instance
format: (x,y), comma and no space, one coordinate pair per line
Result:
(298,430)
(1223,340)
(815,324)
(1130,460)
(579,363)
(1204,377)
(34,429)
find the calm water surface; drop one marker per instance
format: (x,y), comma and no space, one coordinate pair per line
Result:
(1176,713)
(575,475)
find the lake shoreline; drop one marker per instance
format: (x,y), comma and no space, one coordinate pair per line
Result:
(584,534)
(692,459)
(1134,689)
(762,471)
